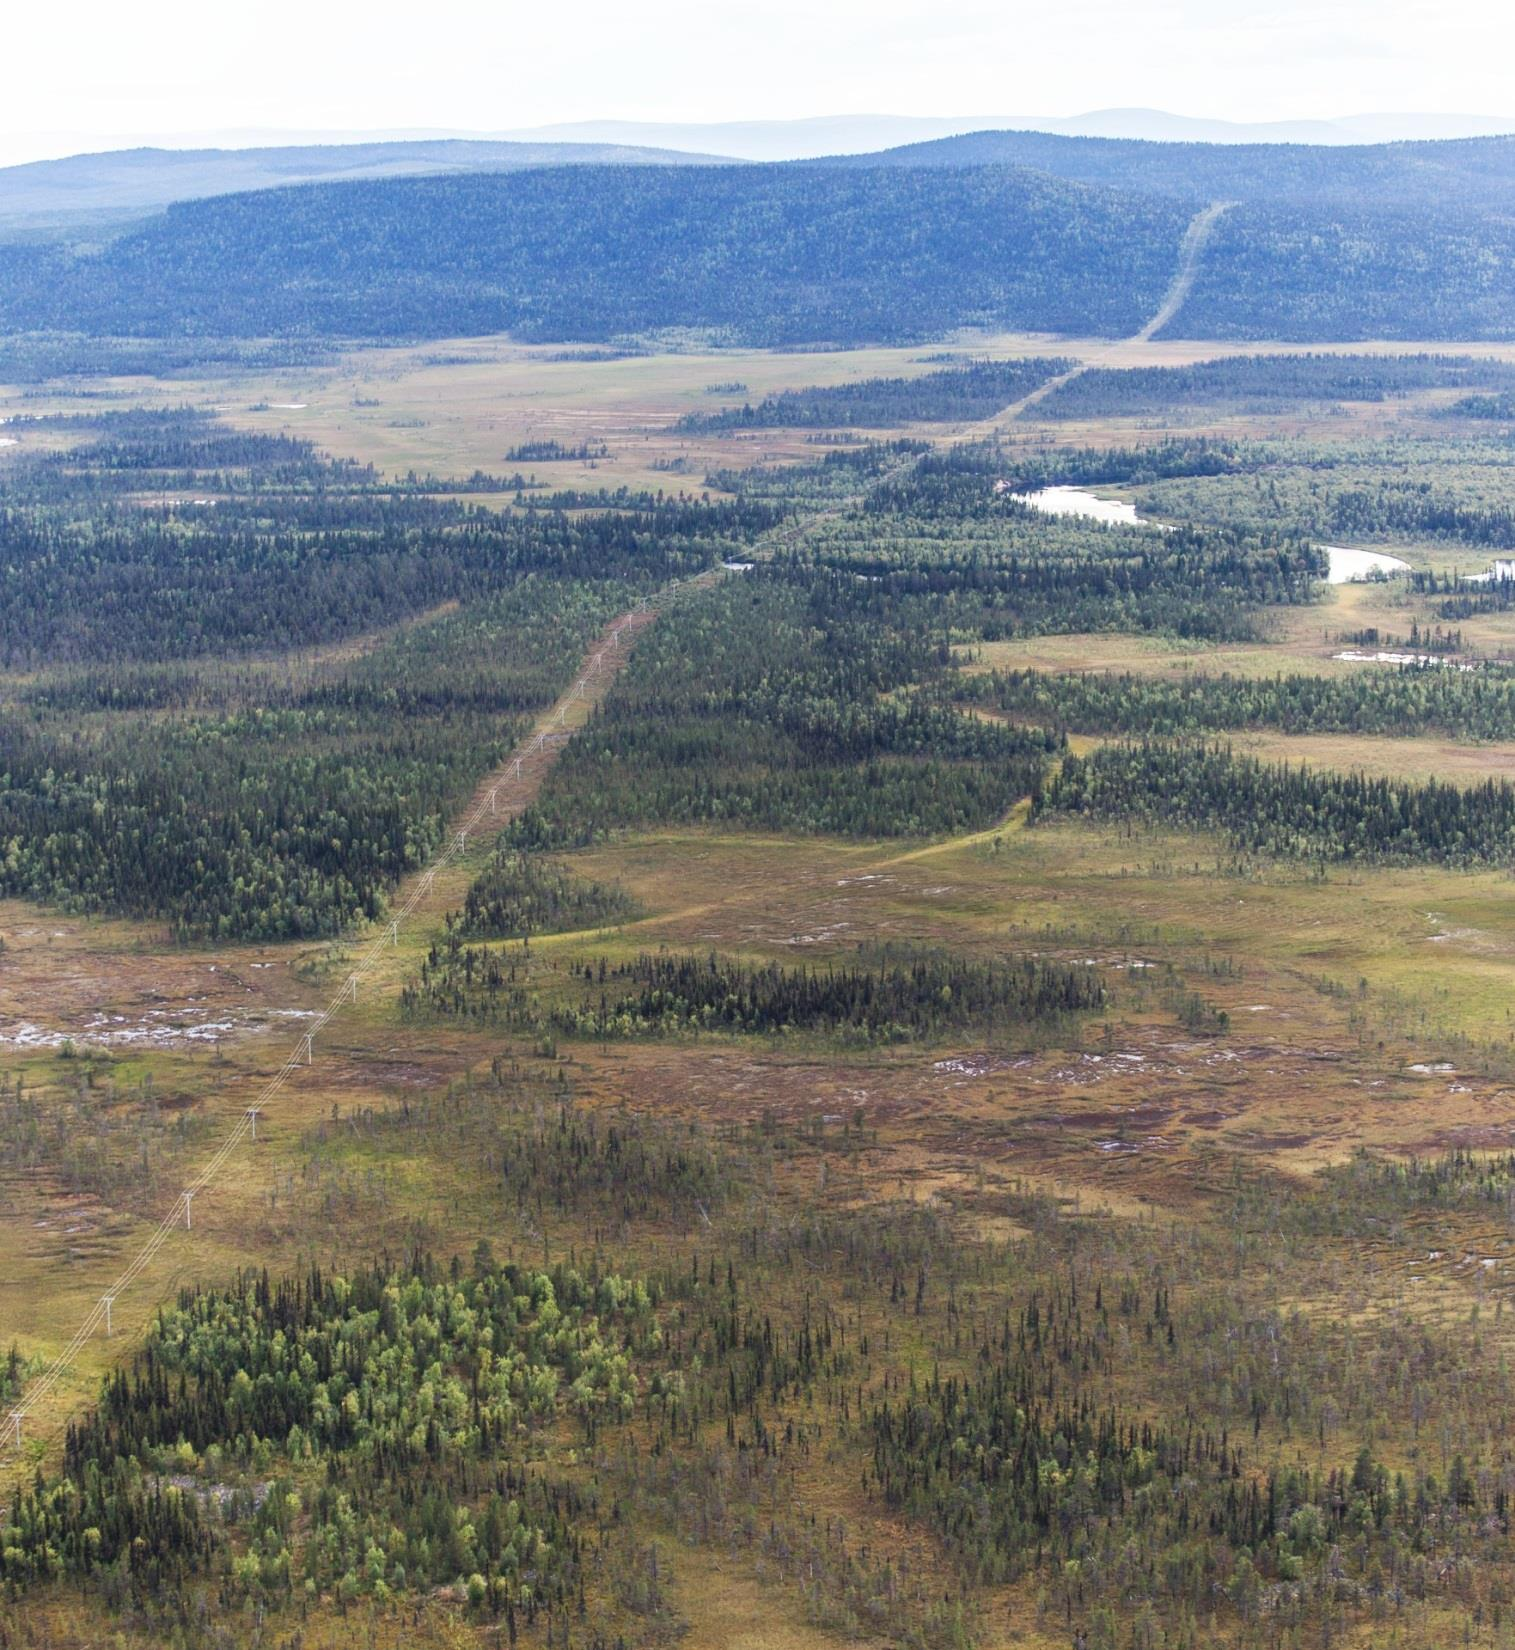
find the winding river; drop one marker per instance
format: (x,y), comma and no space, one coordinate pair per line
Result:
(1344,565)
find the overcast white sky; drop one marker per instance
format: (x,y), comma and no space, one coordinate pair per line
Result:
(71,73)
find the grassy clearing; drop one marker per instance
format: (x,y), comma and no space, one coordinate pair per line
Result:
(1409,759)
(459,405)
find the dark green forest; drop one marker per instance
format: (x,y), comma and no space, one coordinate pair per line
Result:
(235,799)
(1397,703)
(770,702)
(792,254)
(36,357)
(1288,810)
(944,542)
(755,254)
(1265,383)
(976,389)
(1353,492)
(519,894)
(893,997)
(294,814)
(1353,272)
(279,547)
(1497,408)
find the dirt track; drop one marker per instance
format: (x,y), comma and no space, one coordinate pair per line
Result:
(1191,250)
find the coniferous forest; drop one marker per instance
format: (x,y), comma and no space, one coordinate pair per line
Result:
(1414,700)
(784,254)
(1278,808)
(974,389)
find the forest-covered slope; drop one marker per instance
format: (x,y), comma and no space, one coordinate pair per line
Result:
(1473,172)
(760,254)
(767,255)
(1275,271)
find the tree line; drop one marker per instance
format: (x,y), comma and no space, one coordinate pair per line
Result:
(1496,408)
(895,997)
(1291,811)
(972,390)
(1266,383)
(94,572)
(1372,493)
(1403,702)
(519,894)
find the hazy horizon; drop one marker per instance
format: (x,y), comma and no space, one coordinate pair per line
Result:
(762,138)
(180,75)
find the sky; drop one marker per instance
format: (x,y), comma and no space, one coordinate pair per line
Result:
(72,76)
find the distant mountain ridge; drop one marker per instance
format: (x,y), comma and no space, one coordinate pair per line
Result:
(99,191)
(813,137)
(1476,172)
(127,183)
(823,135)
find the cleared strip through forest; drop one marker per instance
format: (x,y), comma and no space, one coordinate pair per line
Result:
(1190,251)
(520,772)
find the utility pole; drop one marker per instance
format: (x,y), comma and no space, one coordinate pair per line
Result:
(106,1301)
(310,1047)
(189,1198)
(252,1117)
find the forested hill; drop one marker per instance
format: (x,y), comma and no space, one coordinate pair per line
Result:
(1472,172)
(762,254)
(787,255)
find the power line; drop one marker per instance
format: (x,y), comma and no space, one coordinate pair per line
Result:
(303,1052)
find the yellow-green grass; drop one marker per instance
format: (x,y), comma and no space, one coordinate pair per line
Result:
(1306,640)
(454,406)
(1301,640)
(1441,940)
(1416,760)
